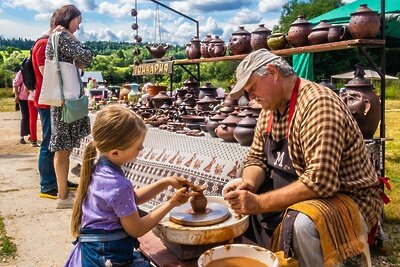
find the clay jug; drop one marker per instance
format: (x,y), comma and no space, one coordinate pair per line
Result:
(239,43)
(213,123)
(363,103)
(319,34)
(157,50)
(299,31)
(193,51)
(336,33)
(199,202)
(217,47)
(204,46)
(226,127)
(277,41)
(244,131)
(259,37)
(364,23)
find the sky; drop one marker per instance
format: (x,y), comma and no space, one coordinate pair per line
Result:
(111,20)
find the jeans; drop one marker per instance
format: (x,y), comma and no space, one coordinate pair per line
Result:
(119,252)
(48,180)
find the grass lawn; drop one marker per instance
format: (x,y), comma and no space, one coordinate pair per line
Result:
(7,247)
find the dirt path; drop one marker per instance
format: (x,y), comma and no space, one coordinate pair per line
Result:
(40,231)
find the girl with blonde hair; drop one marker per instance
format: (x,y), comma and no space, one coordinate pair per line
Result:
(105,218)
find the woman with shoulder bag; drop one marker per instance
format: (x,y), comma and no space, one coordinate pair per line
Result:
(66,136)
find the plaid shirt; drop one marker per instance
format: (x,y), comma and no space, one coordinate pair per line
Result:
(326,147)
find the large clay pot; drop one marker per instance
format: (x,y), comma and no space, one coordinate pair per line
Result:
(244,131)
(239,43)
(213,123)
(364,23)
(319,34)
(259,37)
(226,127)
(277,41)
(363,103)
(160,99)
(336,33)
(153,90)
(204,46)
(157,50)
(193,51)
(217,47)
(299,31)
(328,84)
(207,89)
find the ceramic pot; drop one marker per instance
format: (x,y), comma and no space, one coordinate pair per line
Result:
(153,90)
(328,84)
(161,98)
(244,131)
(319,34)
(204,46)
(259,37)
(277,41)
(193,51)
(134,95)
(192,86)
(336,33)
(363,103)
(198,202)
(213,123)
(207,89)
(299,31)
(226,127)
(239,43)
(217,47)
(207,103)
(157,51)
(364,23)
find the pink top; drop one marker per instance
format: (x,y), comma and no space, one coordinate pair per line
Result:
(19,83)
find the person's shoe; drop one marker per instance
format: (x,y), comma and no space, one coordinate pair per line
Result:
(22,141)
(65,203)
(49,194)
(71,185)
(35,144)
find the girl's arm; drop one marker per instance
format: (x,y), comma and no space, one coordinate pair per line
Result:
(148,192)
(136,226)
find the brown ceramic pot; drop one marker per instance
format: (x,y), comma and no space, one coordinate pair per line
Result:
(239,43)
(204,46)
(226,127)
(207,103)
(157,50)
(198,202)
(161,98)
(193,51)
(336,33)
(244,131)
(364,23)
(217,47)
(207,89)
(259,37)
(213,123)
(299,31)
(363,103)
(319,34)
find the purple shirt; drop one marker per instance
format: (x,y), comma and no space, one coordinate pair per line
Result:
(109,197)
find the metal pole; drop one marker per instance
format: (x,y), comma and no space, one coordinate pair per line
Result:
(179,13)
(383,86)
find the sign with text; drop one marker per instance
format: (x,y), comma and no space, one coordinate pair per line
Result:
(153,68)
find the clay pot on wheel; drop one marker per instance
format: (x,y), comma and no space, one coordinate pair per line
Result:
(363,103)
(364,23)
(199,202)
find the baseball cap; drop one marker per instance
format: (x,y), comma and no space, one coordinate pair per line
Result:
(248,65)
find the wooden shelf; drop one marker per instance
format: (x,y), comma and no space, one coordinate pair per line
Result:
(348,44)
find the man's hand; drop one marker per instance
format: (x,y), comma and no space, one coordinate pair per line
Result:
(244,202)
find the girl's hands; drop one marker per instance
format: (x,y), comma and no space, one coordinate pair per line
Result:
(181,196)
(177,182)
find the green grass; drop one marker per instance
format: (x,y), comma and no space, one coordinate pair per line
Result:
(7,248)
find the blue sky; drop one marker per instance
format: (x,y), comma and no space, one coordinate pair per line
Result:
(111,20)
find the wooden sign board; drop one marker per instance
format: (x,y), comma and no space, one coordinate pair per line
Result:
(153,68)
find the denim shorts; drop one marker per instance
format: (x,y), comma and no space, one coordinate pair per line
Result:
(119,252)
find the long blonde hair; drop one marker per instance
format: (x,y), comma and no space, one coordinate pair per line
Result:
(116,127)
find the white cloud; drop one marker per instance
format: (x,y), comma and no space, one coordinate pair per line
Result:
(271,5)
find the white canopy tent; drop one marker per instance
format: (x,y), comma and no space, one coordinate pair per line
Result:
(369,75)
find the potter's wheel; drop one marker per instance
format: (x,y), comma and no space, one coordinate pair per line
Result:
(233,226)
(184,215)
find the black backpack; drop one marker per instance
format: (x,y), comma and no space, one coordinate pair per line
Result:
(28,74)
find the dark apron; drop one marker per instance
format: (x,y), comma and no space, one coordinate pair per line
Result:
(282,174)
